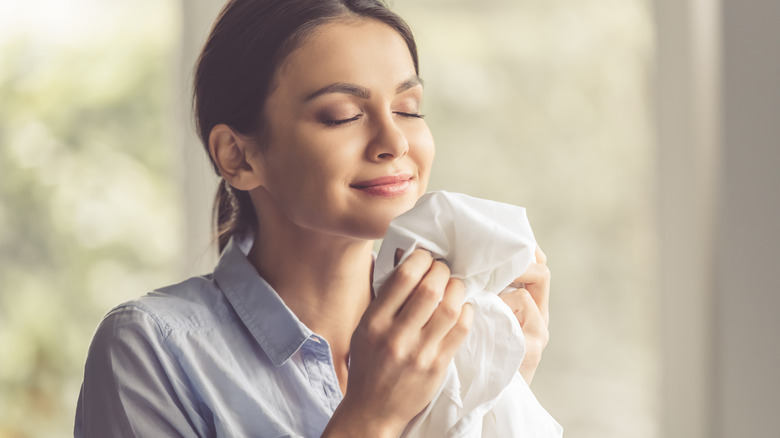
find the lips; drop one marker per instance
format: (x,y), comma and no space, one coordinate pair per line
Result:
(384,180)
(386,186)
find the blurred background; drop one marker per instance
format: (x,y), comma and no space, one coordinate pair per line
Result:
(623,126)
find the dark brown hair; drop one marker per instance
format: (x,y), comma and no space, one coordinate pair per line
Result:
(235,73)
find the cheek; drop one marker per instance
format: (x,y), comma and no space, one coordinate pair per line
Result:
(422,149)
(308,169)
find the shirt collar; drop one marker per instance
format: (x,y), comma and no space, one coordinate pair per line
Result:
(278,331)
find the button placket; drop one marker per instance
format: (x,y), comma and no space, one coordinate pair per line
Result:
(327,373)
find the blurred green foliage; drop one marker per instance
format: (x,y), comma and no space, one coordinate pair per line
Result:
(88,205)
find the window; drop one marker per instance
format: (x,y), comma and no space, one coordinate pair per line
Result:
(90,206)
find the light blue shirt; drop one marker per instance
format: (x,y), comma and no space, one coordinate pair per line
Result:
(219,355)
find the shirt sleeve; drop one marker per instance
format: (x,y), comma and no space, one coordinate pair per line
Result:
(132,383)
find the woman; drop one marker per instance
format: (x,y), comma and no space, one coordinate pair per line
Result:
(310,111)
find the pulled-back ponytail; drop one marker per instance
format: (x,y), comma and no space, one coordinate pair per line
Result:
(236,68)
(233,213)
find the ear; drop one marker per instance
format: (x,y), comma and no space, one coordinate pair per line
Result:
(236,157)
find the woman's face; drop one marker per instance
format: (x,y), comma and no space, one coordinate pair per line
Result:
(347,150)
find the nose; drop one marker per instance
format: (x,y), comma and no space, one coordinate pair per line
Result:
(388,143)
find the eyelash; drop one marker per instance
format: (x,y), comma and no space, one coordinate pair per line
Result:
(412,115)
(341,121)
(352,119)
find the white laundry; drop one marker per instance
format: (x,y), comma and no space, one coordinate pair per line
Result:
(487,245)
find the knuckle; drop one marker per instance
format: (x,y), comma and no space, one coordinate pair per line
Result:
(545,272)
(457,285)
(545,337)
(538,340)
(461,328)
(509,300)
(449,311)
(439,363)
(541,257)
(533,346)
(404,274)
(420,362)
(532,356)
(423,254)
(428,292)
(373,330)
(441,266)
(395,351)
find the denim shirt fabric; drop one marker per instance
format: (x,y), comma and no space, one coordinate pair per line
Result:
(218,355)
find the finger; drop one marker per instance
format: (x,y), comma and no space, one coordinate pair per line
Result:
(536,279)
(425,298)
(394,292)
(527,313)
(535,334)
(534,273)
(541,257)
(533,324)
(513,299)
(457,334)
(447,312)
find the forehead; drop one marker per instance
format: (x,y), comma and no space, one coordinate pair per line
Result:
(364,52)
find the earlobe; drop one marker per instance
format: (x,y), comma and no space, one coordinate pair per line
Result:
(231,152)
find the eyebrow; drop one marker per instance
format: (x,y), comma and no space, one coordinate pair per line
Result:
(361,92)
(409,83)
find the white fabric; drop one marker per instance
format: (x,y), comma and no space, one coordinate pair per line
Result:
(487,245)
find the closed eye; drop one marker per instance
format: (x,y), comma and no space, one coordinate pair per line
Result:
(412,115)
(338,122)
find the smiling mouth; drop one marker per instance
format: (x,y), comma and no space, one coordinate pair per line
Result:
(386,186)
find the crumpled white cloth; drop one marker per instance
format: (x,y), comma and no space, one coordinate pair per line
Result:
(487,245)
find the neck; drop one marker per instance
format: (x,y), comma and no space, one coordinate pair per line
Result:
(324,279)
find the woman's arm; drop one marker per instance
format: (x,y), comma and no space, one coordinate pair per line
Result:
(127,389)
(401,349)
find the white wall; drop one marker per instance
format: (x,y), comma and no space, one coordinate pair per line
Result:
(687,152)
(718,119)
(747,243)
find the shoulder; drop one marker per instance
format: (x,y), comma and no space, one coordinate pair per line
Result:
(194,304)
(143,337)
(134,382)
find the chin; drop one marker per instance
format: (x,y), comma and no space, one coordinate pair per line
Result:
(371,226)
(374,222)
(372,230)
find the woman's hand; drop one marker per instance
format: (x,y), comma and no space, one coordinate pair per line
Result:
(401,349)
(531,306)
